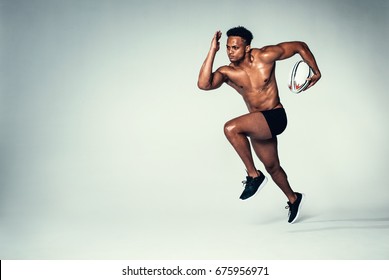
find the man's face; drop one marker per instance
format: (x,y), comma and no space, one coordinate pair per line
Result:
(236,48)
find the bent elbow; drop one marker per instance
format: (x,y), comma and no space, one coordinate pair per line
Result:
(303,44)
(304,47)
(203,86)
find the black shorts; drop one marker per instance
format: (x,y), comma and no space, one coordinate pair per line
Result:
(276,119)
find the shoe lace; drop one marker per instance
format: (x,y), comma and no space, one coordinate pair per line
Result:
(288,206)
(290,210)
(247,181)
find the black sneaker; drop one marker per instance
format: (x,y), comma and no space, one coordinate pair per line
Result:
(294,209)
(253,185)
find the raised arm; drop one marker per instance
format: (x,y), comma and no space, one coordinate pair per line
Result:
(207,79)
(288,49)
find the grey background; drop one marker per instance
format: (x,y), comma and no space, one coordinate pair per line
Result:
(109,150)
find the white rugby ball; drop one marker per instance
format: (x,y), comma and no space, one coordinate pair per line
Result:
(298,77)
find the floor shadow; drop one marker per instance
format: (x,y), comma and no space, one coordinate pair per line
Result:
(386,219)
(341,224)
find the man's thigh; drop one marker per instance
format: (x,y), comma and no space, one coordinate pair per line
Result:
(253,125)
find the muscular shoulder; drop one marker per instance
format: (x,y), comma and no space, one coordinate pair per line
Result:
(226,70)
(230,75)
(267,54)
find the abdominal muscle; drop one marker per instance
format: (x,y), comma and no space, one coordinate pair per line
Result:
(266,99)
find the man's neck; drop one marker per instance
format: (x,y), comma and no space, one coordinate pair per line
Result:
(245,61)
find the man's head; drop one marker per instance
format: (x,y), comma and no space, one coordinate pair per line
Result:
(241,32)
(238,43)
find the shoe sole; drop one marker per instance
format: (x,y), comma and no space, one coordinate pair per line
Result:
(299,209)
(259,188)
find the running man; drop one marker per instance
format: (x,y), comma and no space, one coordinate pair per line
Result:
(252,74)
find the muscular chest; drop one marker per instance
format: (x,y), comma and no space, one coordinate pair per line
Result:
(253,78)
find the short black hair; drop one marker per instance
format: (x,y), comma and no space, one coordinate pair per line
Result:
(242,32)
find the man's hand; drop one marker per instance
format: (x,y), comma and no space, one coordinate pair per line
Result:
(313,80)
(215,45)
(207,79)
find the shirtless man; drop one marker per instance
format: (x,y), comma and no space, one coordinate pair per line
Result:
(252,74)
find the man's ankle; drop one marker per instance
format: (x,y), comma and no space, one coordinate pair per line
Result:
(294,198)
(254,174)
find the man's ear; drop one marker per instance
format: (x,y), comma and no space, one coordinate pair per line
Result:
(247,48)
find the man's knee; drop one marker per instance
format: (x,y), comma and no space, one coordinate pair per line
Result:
(273,168)
(230,129)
